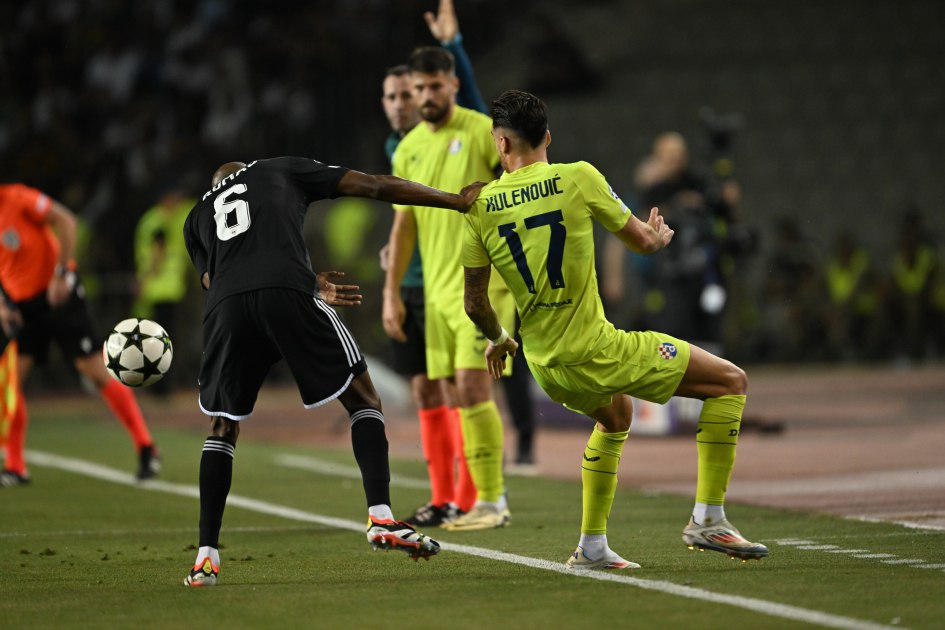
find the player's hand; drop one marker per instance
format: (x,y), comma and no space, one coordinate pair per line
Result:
(469,194)
(10,319)
(337,294)
(443,26)
(384,257)
(662,230)
(393,315)
(57,293)
(496,356)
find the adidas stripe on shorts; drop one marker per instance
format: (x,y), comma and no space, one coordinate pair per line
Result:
(246,333)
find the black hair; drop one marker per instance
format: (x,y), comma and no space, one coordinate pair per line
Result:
(523,113)
(398,70)
(432,59)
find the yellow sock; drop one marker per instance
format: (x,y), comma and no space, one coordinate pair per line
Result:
(482,444)
(716,438)
(599,478)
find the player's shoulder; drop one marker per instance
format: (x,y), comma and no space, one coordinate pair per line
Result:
(416,136)
(24,196)
(285,166)
(583,174)
(494,186)
(580,169)
(284,163)
(473,116)
(478,207)
(486,194)
(287,163)
(18,190)
(470,120)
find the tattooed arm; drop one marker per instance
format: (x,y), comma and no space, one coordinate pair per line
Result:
(480,311)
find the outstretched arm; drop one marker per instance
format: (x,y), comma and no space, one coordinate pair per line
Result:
(479,310)
(401,191)
(444,26)
(646,238)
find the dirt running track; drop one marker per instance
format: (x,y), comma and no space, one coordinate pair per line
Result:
(856,442)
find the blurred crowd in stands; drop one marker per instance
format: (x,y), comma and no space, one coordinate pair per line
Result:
(789,300)
(116,107)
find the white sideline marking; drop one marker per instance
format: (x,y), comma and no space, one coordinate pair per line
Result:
(786,611)
(810,545)
(896,520)
(126,532)
(816,547)
(340,470)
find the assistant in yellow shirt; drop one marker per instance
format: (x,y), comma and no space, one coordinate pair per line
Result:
(448,158)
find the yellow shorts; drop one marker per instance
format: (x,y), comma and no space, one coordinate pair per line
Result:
(647,365)
(454,342)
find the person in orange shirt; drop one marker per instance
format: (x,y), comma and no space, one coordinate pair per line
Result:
(42,301)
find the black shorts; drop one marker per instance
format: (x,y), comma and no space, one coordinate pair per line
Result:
(410,357)
(69,325)
(246,333)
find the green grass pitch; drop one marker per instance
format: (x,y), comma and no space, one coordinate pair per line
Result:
(77,551)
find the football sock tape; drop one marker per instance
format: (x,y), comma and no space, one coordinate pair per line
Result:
(483,439)
(464,495)
(369,442)
(716,437)
(599,478)
(216,476)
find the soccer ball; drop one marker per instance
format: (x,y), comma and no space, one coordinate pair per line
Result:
(138,352)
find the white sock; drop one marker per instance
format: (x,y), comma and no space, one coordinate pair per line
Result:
(705,514)
(594,545)
(212,552)
(381,512)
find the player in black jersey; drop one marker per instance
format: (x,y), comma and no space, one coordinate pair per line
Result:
(265,303)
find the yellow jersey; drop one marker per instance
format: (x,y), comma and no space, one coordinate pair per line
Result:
(458,153)
(535,226)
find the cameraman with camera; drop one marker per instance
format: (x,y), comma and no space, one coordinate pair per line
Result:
(685,290)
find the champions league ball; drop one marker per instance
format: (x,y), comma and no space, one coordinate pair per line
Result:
(138,352)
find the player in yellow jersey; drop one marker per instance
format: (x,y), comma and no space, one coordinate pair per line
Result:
(451,147)
(534,225)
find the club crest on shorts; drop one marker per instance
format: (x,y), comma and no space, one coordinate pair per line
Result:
(667,350)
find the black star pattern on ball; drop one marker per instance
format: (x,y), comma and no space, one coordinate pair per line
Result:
(114,365)
(150,368)
(135,338)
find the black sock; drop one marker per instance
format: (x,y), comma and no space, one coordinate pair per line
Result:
(216,474)
(370,449)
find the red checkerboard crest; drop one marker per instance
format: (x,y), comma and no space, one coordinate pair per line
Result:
(667,350)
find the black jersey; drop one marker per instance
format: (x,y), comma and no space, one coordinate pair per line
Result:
(246,232)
